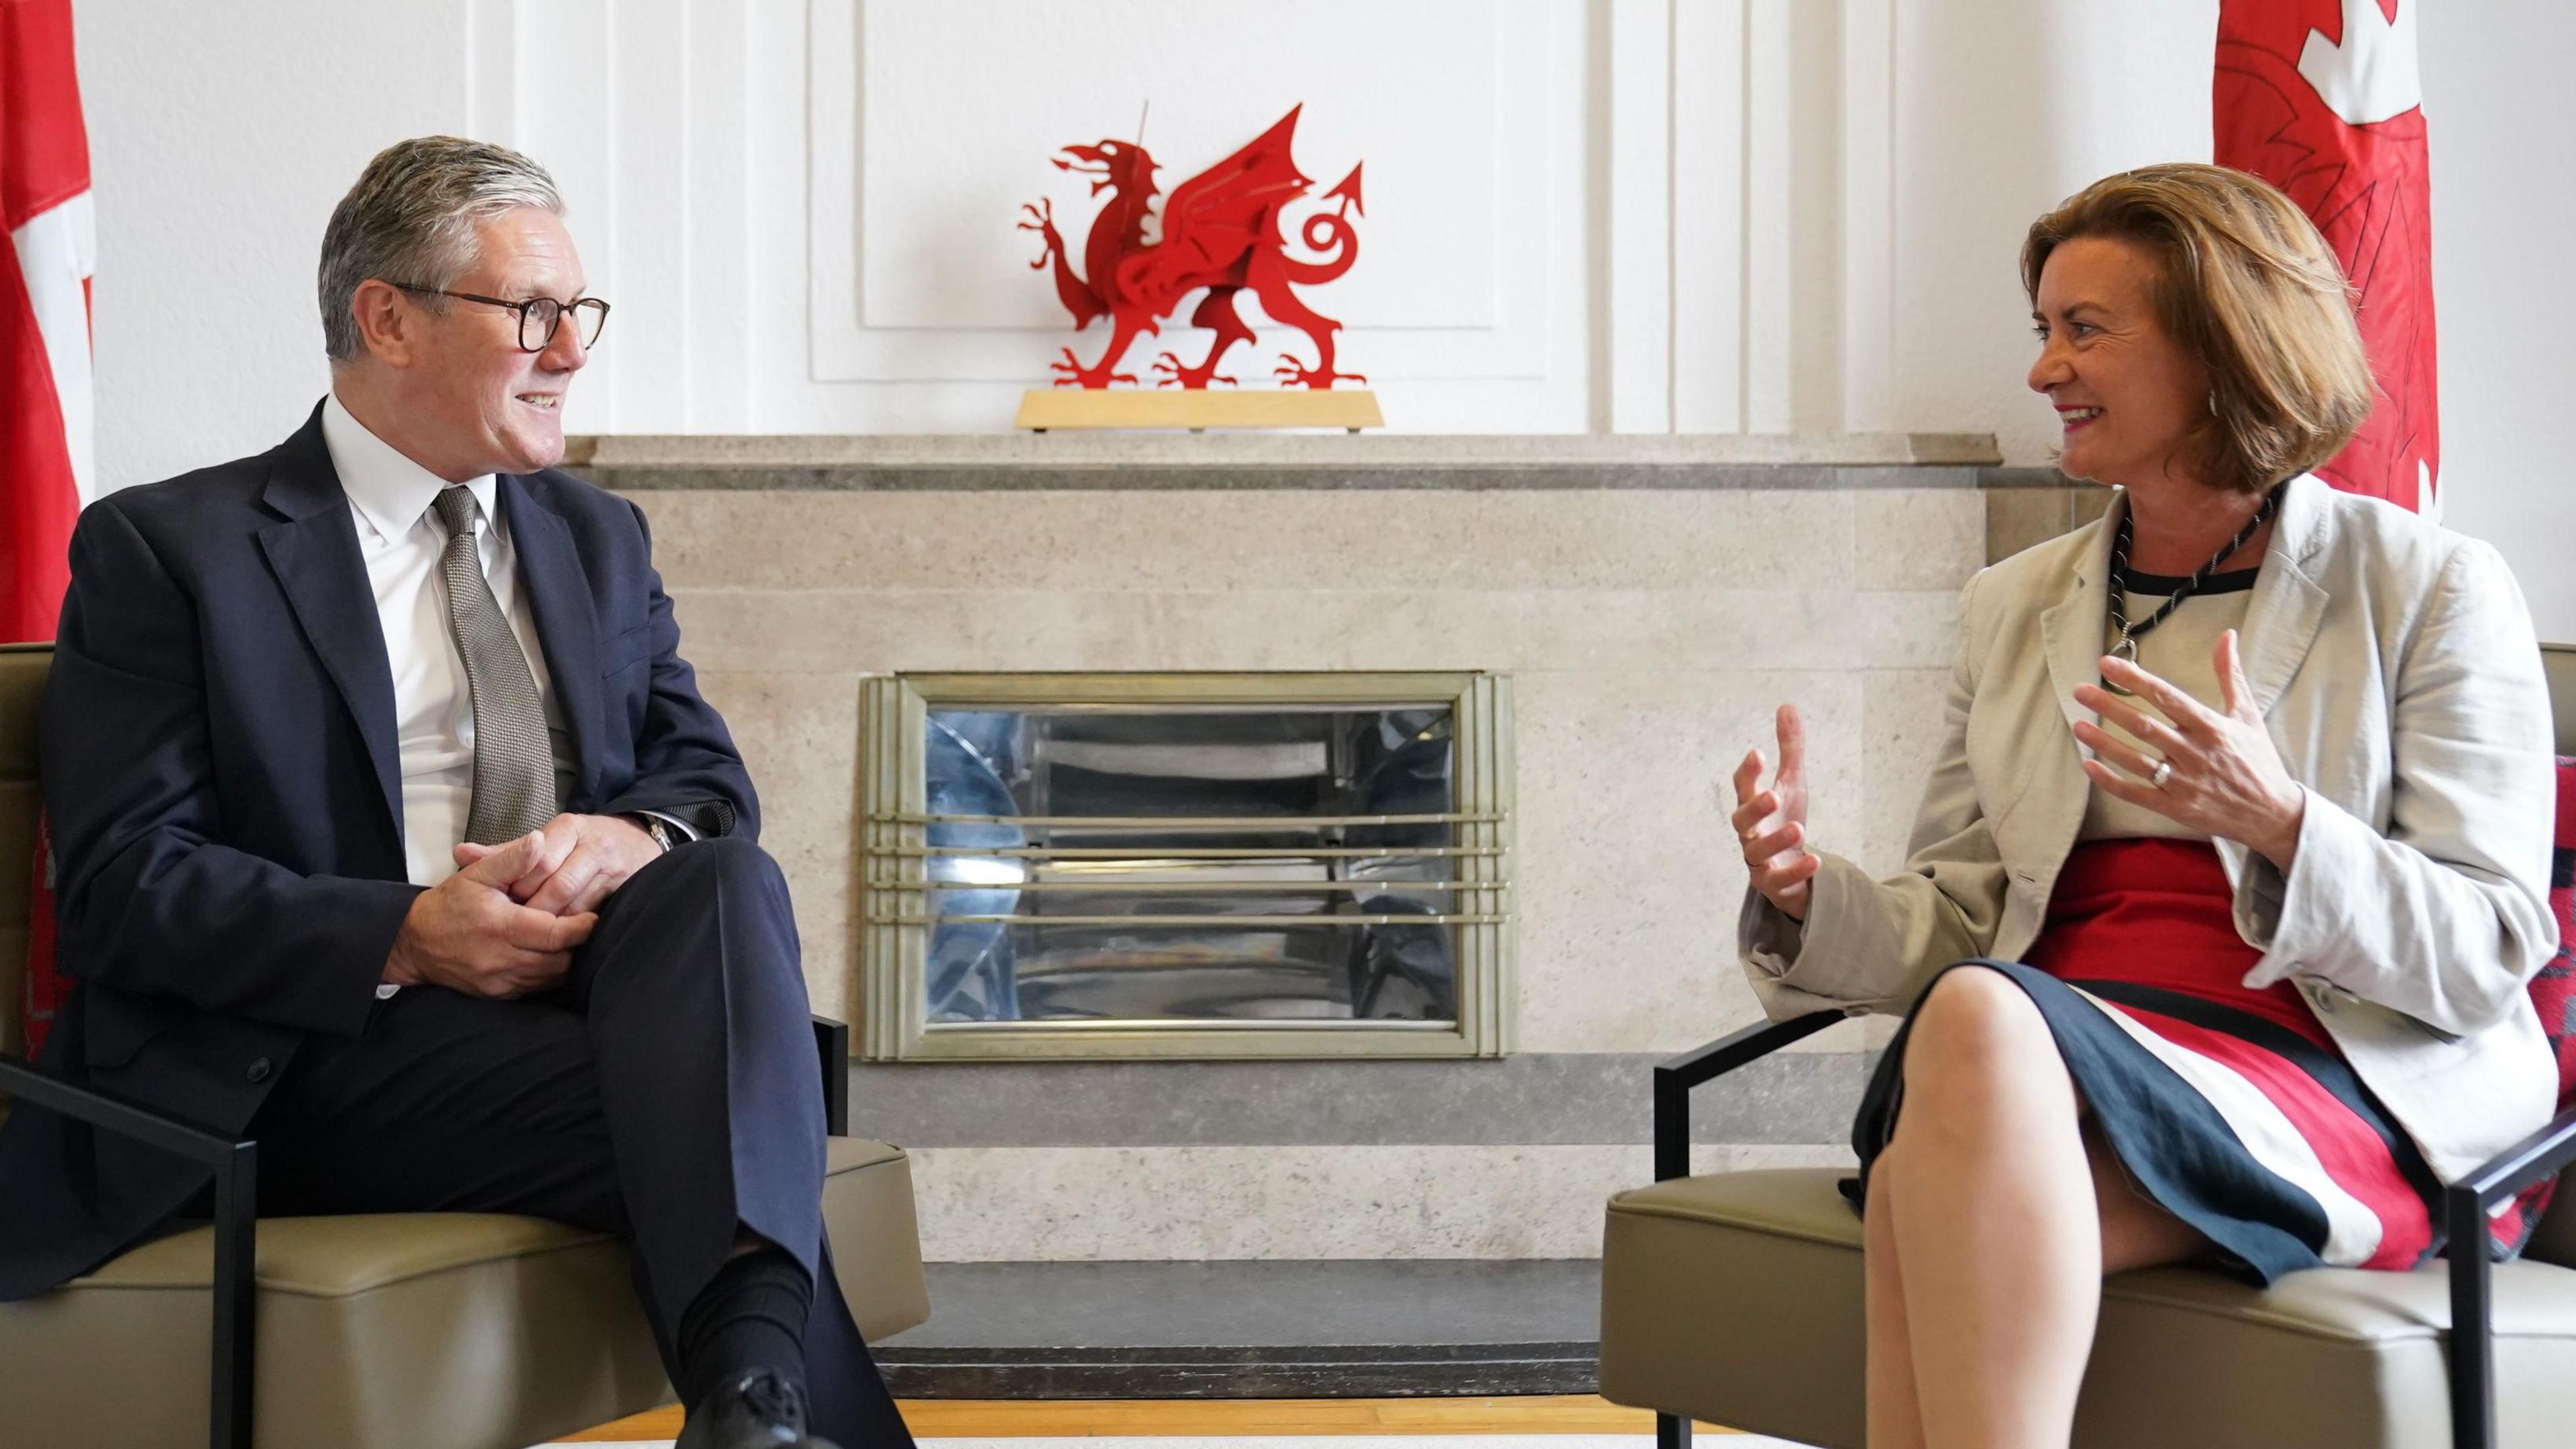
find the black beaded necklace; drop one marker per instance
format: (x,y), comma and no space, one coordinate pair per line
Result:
(2126,647)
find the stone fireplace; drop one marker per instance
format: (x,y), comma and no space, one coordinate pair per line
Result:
(1650,599)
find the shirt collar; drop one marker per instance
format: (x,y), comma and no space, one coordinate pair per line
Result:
(390,492)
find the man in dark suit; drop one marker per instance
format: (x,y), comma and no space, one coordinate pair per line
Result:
(390,828)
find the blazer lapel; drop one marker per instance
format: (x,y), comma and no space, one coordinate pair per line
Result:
(2070,635)
(550,569)
(314,553)
(2281,619)
(2071,630)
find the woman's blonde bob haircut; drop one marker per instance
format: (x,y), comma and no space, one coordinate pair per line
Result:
(2247,286)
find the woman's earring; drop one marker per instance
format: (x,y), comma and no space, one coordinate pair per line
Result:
(2213,402)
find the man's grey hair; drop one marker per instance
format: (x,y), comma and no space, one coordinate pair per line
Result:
(411,220)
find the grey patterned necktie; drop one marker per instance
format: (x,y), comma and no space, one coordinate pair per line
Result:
(514,772)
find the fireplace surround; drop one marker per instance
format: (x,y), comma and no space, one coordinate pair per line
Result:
(1650,600)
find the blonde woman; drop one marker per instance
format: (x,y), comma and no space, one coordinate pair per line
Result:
(2225,891)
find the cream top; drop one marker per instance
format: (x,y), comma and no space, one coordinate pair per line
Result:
(2182,651)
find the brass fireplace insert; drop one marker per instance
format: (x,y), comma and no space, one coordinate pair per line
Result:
(1114,866)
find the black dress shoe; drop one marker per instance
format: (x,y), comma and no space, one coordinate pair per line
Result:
(759,1410)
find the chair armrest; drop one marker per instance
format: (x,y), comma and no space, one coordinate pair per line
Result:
(832,1044)
(235,1164)
(2465,1205)
(2544,1153)
(1675,1076)
(21,1079)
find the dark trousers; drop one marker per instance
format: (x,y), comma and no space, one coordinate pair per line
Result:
(666,1092)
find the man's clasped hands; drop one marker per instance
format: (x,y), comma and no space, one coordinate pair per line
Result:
(506,923)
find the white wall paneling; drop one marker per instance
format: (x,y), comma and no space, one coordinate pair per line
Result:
(920,276)
(1639,156)
(1768,209)
(721,326)
(1709,169)
(559,74)
(640,108)
(1580,213)
(1701,215)
(661,105)
(1867,214)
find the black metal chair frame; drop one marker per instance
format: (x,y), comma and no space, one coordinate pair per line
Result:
(235,1164)
(2465,1205)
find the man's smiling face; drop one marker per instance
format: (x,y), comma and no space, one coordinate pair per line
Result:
(498,408)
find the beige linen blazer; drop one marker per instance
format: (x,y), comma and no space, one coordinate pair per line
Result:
(2396,668)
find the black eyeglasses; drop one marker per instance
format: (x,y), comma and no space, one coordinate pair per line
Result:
(538,316)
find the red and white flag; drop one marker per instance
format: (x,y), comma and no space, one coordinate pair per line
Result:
(2323,99)
(45,460)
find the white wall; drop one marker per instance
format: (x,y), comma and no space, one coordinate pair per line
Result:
(220,137)
(2497,96)
(1606,215)
(2008,107)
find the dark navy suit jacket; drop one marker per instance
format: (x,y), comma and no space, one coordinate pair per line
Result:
(222,778)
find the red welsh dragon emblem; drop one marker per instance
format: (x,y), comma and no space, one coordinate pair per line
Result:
(1221,231)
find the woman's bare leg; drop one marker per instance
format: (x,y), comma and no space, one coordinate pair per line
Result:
(1990,1223)
(2008,1210)
(1997,1239)
(1895,1414)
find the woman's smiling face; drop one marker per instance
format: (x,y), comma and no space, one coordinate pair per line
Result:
(2127,393)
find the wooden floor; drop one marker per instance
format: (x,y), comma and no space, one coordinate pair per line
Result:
(1088,1418)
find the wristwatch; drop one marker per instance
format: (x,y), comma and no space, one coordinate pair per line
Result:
(653,826)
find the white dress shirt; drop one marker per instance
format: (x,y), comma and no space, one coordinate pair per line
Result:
(401,541)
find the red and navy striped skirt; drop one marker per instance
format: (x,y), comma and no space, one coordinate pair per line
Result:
(2229,1107)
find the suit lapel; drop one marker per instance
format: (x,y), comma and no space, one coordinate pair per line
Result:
(314,553)
(2070,634)
(2281,619)
(558,587)
(2071,629)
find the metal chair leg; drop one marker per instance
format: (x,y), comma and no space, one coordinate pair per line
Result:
(236,1295)
(2471,1343)
(1672,1431)
(832,1045)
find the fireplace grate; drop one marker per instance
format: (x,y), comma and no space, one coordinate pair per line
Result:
(1186,865)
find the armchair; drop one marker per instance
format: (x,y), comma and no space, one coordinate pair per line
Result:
(390,1331)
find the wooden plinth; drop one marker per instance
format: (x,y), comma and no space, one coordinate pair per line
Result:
(1044,408)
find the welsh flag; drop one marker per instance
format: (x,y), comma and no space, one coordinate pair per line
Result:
(45,470)
(2322,98)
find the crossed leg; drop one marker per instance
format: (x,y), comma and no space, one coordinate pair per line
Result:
(667,1092)
(1992,1216)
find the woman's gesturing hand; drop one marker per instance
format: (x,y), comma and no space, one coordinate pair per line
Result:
(1772,825)
(2215,770)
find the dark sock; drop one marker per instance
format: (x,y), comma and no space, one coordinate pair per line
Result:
(751,1315)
